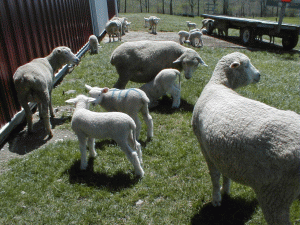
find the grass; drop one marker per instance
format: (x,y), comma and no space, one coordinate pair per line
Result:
(47,187)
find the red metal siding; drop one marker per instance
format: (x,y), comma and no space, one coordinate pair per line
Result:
(31,29)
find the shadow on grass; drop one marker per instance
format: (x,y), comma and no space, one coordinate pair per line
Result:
(113,183)
(21,142)
(235,211)
(165,106)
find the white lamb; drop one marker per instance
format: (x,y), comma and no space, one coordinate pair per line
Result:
(127,25)
(195,38)
(146,20)
(183,36)
(191,25)
(162,84)
(114,27)
(94,44)
(153,21)
(248,141)
(123,21)
(118,126)
(130,101)
(34,82)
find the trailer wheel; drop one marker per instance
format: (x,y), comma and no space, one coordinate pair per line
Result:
(247,36)
(289,41)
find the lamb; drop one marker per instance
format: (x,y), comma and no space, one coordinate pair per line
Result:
(183,35)
(191,25)
(195,38)
(153,21)
(114,27)
(146,20)
(248,141)
(162,84)
(208,24)
(141,61)
(93,41)
(118,126)
(127,25)
(34,80)
(130,101)
(123,21)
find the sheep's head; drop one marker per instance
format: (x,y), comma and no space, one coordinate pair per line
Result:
(96,92)
(65,55)
(81,99)
(238,70)
(189,62)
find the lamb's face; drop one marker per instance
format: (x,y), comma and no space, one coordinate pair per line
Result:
(67,55)
(97,93)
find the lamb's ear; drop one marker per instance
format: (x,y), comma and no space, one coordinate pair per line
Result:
(88,87)
(234,65)
(71,101)
(105,89)
(91,100)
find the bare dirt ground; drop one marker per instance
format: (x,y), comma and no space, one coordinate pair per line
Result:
(21,143)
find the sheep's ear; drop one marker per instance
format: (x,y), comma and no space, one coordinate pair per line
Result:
(105,89)
(234,65)
(71,101)
(88,87)
(92,100)
(179,60)
(201,61)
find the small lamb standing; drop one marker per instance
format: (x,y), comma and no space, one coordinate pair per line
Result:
(153,21)
(195,38)
(130,101)
(191,25)
(94,44)
(248,141)
(162,84)
(118,126)
(141,61)
(183,36)
(34,82)
(114,27)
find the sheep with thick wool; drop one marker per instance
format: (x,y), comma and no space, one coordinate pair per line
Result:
(34,82)
(141,61)
(118,126)
(130,101)
(94,44)
(248,141)
(162,84)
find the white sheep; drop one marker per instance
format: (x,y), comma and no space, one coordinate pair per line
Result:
(183,36)
(123,21)
(130,101)
(141,61)
(94,44)
(118,126)
(114,27)
(208,24)
(34,82)
(195,38)
(248,141)
(153,21)
(146,20)
(162,84)
(127,25)
(191,25)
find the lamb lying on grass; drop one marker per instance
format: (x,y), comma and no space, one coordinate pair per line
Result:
(248,141)
(94,44)
(118,126)
(130,101)
(34,80)
(141,61)
(162,84)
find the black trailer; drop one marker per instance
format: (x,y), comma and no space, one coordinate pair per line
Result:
(253,28)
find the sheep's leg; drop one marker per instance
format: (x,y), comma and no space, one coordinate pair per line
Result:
(123,80)
(45,113)
(174,91)
(275,204)
(28,114)
(50,107)
(82,147)
(148,120)
(138,125)
(226,185)
(91,144)
(132,156)
(134,144)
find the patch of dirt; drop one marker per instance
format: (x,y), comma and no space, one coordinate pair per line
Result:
(21,143)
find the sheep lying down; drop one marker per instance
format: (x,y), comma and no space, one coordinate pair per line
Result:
(141,61)
(248,141)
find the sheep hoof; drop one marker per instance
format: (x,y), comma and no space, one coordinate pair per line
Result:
(217,200)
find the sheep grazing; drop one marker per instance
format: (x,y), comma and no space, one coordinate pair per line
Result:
(191,25)
(130,101)
(118,126)
(141,61)
(162,84)
(94,44)
(195,38)
(34,81)
(183,36)
(114,27)
(248,141)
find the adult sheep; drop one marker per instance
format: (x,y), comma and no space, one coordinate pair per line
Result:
(34,80)
(141,61)
(248,141)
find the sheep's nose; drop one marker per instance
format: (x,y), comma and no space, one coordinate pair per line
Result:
(257,77)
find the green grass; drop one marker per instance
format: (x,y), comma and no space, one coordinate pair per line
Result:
(47,187)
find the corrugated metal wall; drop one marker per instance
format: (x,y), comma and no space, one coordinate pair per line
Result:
(31,29)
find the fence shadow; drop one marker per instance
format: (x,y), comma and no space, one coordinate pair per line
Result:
(234,211)
(114,183)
